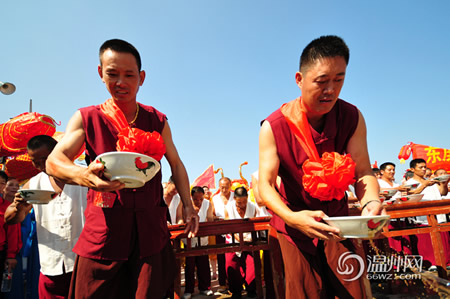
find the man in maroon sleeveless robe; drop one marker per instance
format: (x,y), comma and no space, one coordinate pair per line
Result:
(124,249)
(311,248)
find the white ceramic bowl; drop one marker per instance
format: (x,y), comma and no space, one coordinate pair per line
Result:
(409,198)
(132,169)
(34,196)
(389,202)
(388,192)
(412,186)
(358,226)
(442,178)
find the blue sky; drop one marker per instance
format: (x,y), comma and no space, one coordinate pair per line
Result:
(217,68)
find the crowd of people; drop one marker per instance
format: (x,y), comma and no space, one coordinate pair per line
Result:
(98,239)
(233,270)
(418,179)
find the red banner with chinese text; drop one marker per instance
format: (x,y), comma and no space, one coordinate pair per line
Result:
(435,157)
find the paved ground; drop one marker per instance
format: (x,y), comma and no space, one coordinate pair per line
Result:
(214,288)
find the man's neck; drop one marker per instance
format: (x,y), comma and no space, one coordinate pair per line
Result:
(242,212)
(418,178)
(388,180)
(317,122)
(128,108)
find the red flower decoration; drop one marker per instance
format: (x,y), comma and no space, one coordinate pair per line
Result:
(373,225)
(330,177)
(139,141)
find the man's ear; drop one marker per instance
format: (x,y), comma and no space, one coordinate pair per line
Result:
(142,77)
(299,79)
(100,72)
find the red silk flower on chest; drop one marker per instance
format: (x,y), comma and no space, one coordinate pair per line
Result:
(329,177)
(139,141)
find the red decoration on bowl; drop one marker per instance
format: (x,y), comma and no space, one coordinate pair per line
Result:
(373,225)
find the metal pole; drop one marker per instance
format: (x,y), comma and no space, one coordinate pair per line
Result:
(31,105)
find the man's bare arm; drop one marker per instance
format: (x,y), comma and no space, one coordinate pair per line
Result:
(304,221)
(18,209)
(443,189)
(60,161)
(181,181)
(210,214)
(366,187)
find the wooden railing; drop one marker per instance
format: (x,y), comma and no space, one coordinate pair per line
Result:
(255,226)
(421,208)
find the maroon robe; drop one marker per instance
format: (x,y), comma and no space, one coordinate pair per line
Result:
(107,232)
(311,267)
(340,125)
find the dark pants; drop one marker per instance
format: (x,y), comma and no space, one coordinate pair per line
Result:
(316,275)
(203,273)
(221,262)
(137,277)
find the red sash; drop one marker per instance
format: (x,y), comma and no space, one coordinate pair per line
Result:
(327,177)
(133,139)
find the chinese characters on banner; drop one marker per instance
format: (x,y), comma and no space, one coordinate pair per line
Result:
(435,157)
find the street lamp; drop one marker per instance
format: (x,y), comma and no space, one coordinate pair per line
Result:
(7,88)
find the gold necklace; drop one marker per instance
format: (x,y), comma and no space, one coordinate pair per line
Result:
(135,116)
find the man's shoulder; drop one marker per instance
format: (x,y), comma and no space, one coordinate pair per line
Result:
(274,117)
(152,110)
(216,197)
(90,108)
(39,179)
(412,181)
(346,105)
(251,204)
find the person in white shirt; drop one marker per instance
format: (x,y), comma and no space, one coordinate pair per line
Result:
(440,172)
(387,180)
(270,261)
(58,223)
(432,190)
(240,266)
(400,243)
(205,213)
(172,200)
(219,202)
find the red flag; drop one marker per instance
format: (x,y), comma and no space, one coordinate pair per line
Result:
(206,178)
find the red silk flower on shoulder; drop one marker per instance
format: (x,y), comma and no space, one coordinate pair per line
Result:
(139,141)
(330,177)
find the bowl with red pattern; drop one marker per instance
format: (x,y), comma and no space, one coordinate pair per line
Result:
(132,169)
(388,192)
(389,202)
(358,226)
(410,198)
(36,196)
